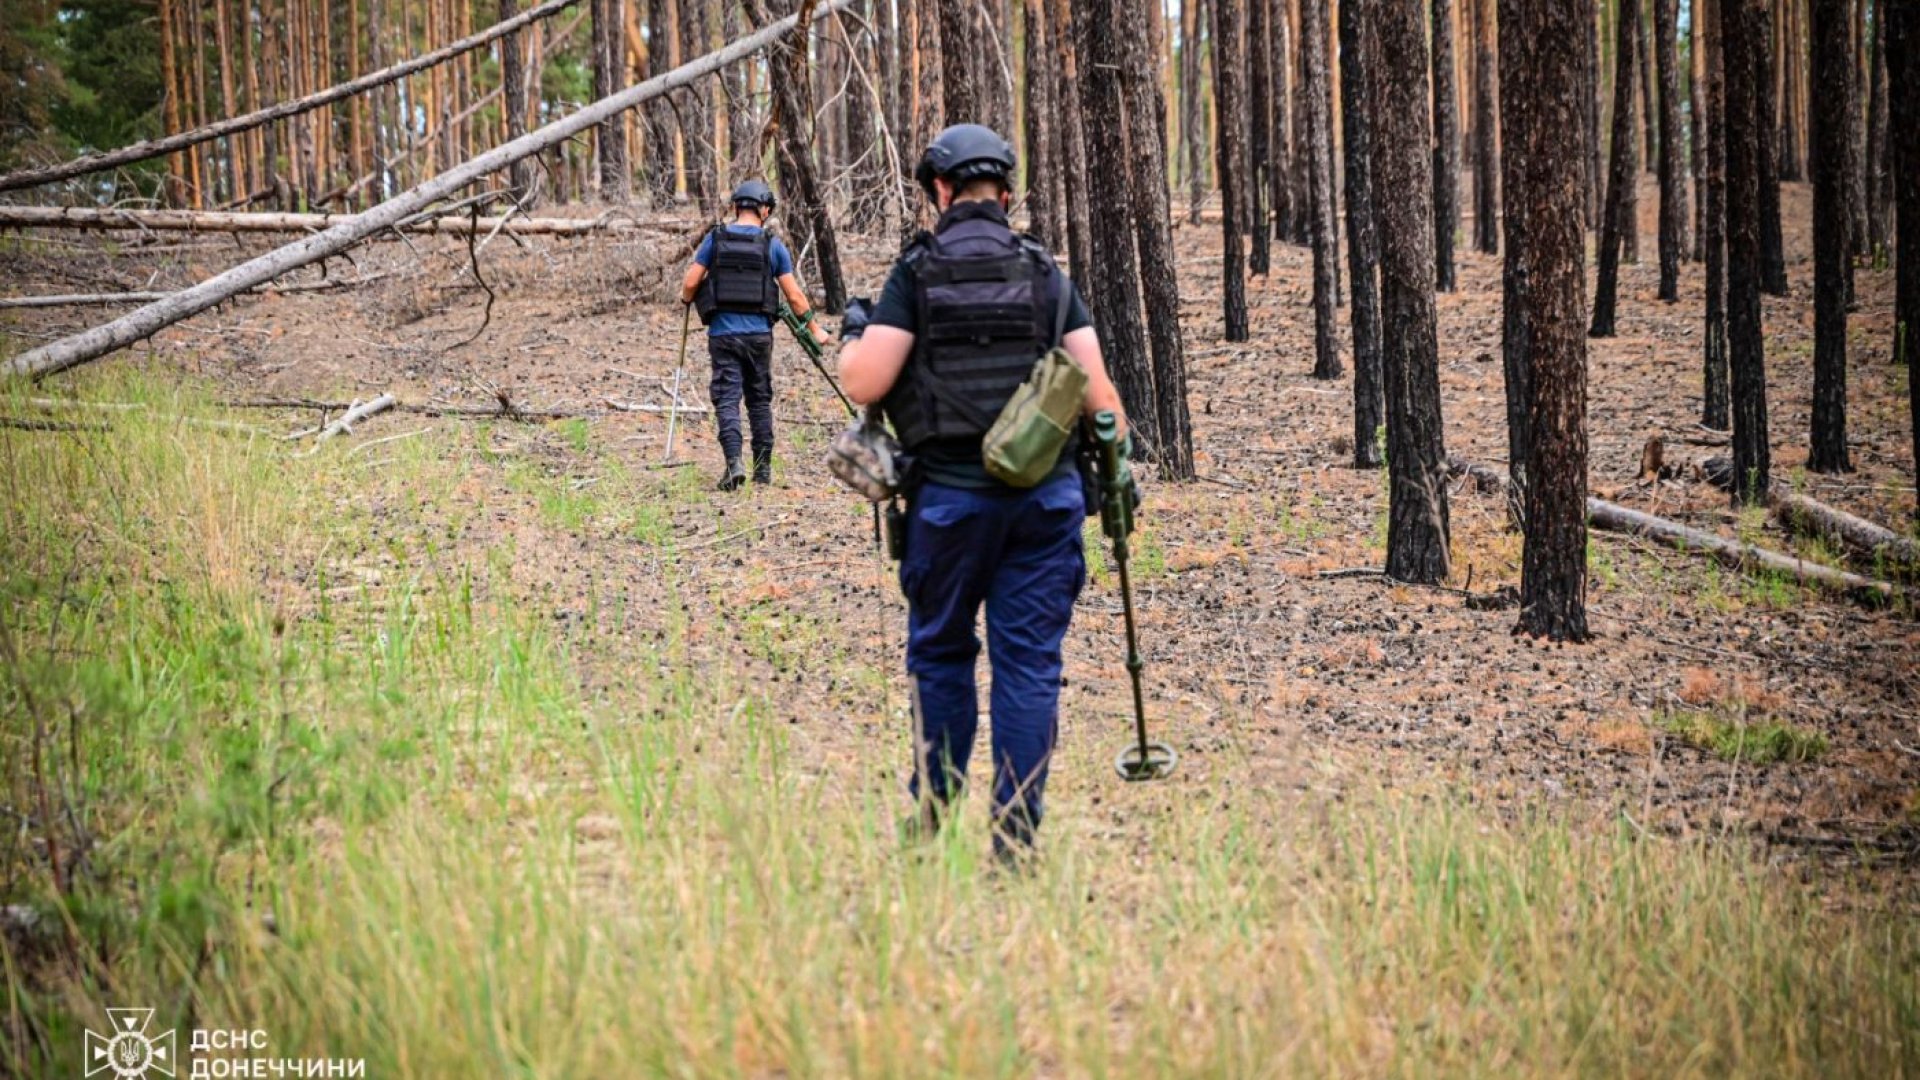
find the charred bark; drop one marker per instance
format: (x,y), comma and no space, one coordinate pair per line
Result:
(1773,265)
(1259,129)
(1744,40)
(1832,232)
(1486,147)
(696,109)
(1417,518)
(1229,108)
(1446,146)
(662,168)
(1903,82)
(1621,176)
(1673,194)
(609,78)
(1326,285)
(1716,405)
(960,40)
(810,218)
(1363,242)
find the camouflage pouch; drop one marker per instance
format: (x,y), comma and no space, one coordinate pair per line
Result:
(1024,444)
(867,459)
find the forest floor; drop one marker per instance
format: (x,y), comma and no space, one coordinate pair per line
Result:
(1271,681)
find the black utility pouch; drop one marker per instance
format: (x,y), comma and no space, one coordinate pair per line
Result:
(896,531)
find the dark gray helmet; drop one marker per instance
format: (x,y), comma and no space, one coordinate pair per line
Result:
(754,193)
(965,152)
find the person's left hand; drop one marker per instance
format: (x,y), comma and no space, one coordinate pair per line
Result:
(820,333)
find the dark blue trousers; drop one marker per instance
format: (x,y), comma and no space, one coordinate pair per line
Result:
(743,367)
(1018,553)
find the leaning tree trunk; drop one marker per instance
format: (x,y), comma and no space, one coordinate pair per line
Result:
(1319,135)
(1673,195)
(1617,224)
(1229,108)
(1773,265)
(1486,150)
(1259,129)
(1716,404)
(793,117)
(1744,40)
(1446,146)
(1832,243)
(1417,520)
(1903,83)
(1363,242)
(1113,287)
(1153,220)
(1540,51)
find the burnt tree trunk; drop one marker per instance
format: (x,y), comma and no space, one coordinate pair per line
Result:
(1114,271)
(609,77)
(1903,83)
(1673,194)
(960,40)
(1073,147)
(1696,123)
(1040,160)
(1745,47)
(1540,124)
(1153,221)
(1319,135)
(1832,228)
(1773,260)
(1486,144)
(1716,404)
(1363,243)
(696,109)
(1288,211)
(1193,136)
(662,171)
(1879,175)
(1595,172)
(812,224)
(1259,129)
(1446,146)
(1229,107)
(1417,519)
(1617,223)
(1643,63)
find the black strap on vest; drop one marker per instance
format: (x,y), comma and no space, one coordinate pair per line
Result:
(945,390)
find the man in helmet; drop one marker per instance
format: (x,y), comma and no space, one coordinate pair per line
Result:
(966,312)
(735,282)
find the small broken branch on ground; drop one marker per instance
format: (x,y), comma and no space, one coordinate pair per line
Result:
(220,221)
(354,415)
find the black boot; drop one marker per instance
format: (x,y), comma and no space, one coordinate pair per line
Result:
(762,468)
(734,476)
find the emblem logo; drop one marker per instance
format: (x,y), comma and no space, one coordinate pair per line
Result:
(130,1051)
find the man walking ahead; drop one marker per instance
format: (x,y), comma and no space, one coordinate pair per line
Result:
(736,281)
(966,313)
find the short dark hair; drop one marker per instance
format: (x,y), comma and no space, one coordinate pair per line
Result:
(972,188)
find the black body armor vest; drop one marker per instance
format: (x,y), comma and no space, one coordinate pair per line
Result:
(985,300)
(740,277)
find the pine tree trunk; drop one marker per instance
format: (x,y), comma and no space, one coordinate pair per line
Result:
(1696,123)
(1260,129)
(996,66)
(1153,221)
(1486,182)
(1192,108)
(1649,104)
(1417,518)
(513,82)
(1326,346)
(1788,39)
(1229,108)
(1773,263)
(1617,224)
(662,168)
(1903,155)
(1446,146)
(1879,173)
(743,128)
(1357,57)
(1716,405)
(1744,38)
(695,23)
(1039,158)
(959,43)
(1543,167)
(810,219)
(1289,212)
(1073,146)
(1673,195)
(1832,227)
(1113,285)
(609,77)
(1595,174)
(1857,75)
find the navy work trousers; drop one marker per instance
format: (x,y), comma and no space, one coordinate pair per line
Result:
(1019,553)
(743,366)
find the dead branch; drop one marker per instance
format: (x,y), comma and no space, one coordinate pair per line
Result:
(94,299)
(354,415)
(221,221)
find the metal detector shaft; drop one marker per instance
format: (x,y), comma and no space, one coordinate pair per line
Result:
(673,410)
(1145,760)
(811,346)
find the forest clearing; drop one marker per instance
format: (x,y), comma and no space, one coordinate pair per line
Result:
(480,735)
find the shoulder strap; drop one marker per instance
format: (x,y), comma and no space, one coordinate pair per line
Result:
(1061,307)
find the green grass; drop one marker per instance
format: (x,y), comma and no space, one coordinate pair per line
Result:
(248,683)
(1735,739)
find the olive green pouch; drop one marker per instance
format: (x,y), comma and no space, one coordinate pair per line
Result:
(1024,444)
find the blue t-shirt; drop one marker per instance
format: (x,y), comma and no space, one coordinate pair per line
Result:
(735,323)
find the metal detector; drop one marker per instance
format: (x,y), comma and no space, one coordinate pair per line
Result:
(1144,760)
(673,410)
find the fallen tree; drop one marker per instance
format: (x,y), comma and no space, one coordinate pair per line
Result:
(137,325)
(96,299)
(1809,516)
(153,148)
(221,221)
(1612,517)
